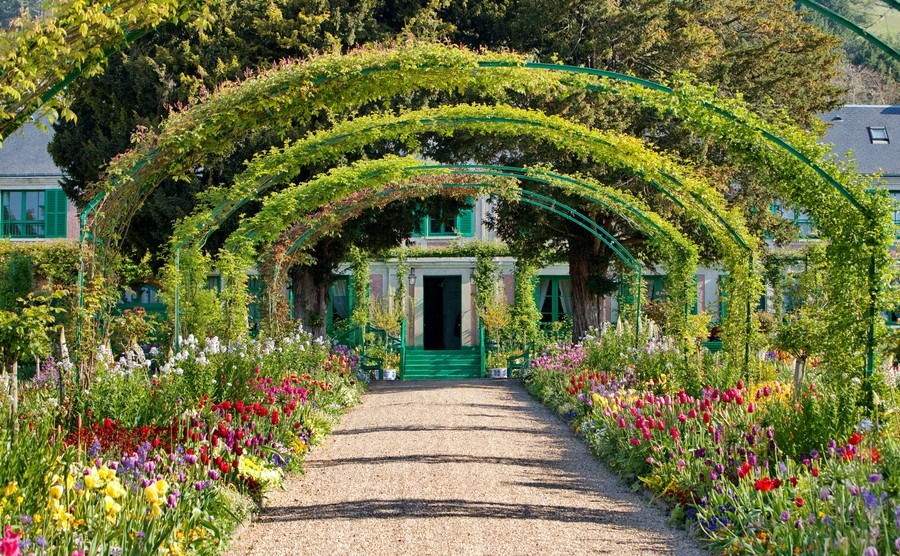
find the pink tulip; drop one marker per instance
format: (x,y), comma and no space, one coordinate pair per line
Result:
(9,545)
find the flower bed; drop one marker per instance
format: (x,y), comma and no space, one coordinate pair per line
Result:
(168,461)
(753,469)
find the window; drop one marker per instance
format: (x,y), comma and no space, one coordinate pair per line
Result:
(722,294)
(879,136)
(553,297)
(254,289)
(214,283)
(461,223)
(33,214)
(800,220)
(340,302)
(895,198)
(144,295)
(656,287)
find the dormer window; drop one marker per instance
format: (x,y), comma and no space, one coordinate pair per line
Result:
(879,136)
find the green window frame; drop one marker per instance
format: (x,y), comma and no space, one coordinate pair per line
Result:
(553,306)
(146,296)
(462,224)
(721,281)
(800,219)
(895,198)
(657,285)
(33,213)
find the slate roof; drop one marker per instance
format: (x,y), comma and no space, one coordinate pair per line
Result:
(24,153)
(848,131)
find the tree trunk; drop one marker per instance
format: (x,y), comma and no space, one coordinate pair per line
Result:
(799,372)
(587,307)
(310,300)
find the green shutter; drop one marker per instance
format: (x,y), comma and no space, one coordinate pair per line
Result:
(465,223)
(420,227)
(56,208)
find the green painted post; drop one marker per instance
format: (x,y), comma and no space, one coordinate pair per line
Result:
(177,334)
(749,326)
(402,348)
(637,307)
(481,344)
(870,337)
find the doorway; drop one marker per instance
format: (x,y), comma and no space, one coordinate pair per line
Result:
(442,322)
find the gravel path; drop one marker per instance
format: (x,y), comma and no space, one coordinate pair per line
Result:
(475,467)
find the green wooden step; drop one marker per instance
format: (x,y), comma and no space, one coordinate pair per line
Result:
(442,364)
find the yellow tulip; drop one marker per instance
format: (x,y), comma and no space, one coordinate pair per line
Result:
(162,487)
(106,473)
(56,492)
(11,489)
(151,494)
(155,510)
(114,489)
(112,507)
(92,480)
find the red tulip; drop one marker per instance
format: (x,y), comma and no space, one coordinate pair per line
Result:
(799,502)
(855,439)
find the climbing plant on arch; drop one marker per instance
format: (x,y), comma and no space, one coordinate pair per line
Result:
(293,92)
(383,181)
(697,198)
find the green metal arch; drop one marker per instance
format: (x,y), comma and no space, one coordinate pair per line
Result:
(337,138)
(779,143)
(158,167)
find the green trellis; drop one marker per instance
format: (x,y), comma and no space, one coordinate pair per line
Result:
(697,198)
(678,251)
(798,165)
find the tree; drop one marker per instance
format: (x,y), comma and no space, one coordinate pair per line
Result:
(10,10)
